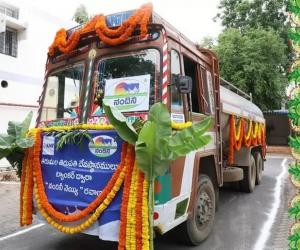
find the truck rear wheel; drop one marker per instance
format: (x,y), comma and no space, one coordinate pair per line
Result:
(259,167)
(200,223)
(247,185)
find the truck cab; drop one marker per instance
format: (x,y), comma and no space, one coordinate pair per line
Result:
(133,76)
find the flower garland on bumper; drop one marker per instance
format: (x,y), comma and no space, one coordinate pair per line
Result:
(238,136)
(109,36)
(134,218)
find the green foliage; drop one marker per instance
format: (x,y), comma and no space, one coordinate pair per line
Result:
(294,6)
(294,211)
(149,146)
(71,137)
(294,241)
(207,42)
(242,15)
(138,124)
(189,139)
(294,110)
(258,56)
(13,144)
(155,145)
(125,130)
(294,142)
(81,15)
(254,61)
(295,171)
(294,34)
(294,75)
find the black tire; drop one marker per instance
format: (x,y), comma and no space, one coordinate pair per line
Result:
(259,167)
(217,197)
(200,223)
(247,185)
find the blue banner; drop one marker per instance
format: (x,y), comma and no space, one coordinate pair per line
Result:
(76,174)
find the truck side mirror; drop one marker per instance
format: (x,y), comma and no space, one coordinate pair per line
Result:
(184,84)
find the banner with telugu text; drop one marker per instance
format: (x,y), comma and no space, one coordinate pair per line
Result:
(76,174)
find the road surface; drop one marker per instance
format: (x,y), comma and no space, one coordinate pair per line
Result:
(244,221)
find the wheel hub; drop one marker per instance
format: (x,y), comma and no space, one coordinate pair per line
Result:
(204,209)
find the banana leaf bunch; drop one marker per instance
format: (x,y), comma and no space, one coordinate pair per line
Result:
(156,145)
(14,143)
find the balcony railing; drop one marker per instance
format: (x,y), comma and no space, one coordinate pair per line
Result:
(14,13)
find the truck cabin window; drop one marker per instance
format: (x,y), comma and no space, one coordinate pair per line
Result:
(62,94)
(128,82)
(208,98)
(176,105)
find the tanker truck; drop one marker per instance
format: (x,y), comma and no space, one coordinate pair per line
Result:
(160,66)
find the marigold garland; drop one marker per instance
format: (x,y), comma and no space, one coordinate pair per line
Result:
(180,126)
(131,216)
(25,218)
(145,217)
(109,36)
(238,137)
(139,211)
(134,226)
(79,126)
(124,206)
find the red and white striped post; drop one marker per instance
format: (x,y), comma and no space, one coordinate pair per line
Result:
(165,79)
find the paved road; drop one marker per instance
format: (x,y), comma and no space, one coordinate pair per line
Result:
(244,221)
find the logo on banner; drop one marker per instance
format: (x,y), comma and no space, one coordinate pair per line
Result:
(48,145)
(103,146)
(128,93)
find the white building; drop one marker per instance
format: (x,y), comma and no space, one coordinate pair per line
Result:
(29,31)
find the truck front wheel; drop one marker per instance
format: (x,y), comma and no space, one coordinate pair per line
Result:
(200,222)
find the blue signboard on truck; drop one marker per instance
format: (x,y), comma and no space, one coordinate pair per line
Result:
(76,174)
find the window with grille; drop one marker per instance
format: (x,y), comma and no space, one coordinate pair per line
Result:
(9,42)
(11,12)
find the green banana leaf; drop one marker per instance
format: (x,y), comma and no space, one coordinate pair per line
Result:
(6,141)
(156,147)
(26,124)
(189,139)
(148,155)
(125,130)
(25,142)
(4,153)
(159,114)
(14,129)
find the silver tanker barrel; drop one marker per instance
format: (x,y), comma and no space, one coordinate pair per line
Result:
(238,103)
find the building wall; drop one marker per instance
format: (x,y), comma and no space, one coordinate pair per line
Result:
(25,72)
(278,129)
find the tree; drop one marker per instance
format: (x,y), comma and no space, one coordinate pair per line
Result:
(253,60)
(81,15)
(245,14)
(207,42)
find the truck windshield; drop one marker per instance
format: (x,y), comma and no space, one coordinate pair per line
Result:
(62,93)
(129,82)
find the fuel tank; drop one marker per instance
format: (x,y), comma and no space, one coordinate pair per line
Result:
(232,103)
